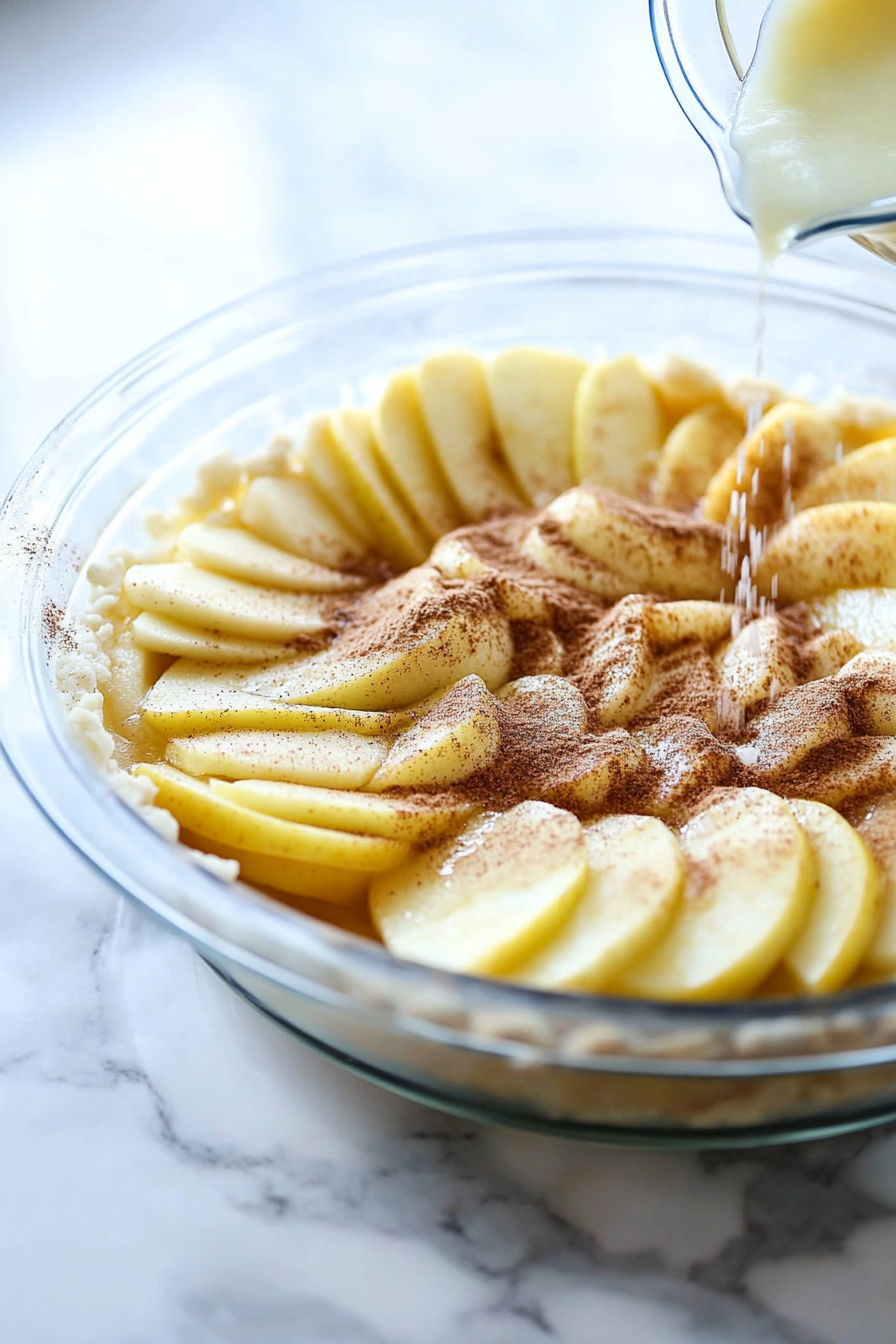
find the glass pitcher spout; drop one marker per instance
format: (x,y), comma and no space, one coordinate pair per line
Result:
(704,63)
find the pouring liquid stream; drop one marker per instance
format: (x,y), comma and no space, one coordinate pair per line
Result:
(814,130)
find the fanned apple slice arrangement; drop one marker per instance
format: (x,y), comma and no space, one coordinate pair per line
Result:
(575,674)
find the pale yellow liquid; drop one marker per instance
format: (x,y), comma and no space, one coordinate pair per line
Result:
(815,124)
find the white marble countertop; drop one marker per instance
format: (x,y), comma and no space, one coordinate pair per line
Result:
(173,1168)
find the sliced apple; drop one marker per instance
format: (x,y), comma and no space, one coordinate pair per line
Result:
(827,653)
(868,614)
(415,819)
(878,830)
(482,901)
(242,555)
(320,461)
(342,759)
(215,818)
(683,386)
(649,550)
(549,700)
(555,555)
(693,453)
(619,427)
(159,634)
(854,767)
(191,698)
(846,907)
(406,448)
(194,596)
(748,889)
(399,535)
(869,473)
(456,557)
(619,664)
(792,443)
(339,887)
(832,547)
(454,396)
(533,396)
(670,623)
(132,673)
(757,665)
(447,650)
(807,718)
(688,759)
(869,681)
(289,512)
(635,877)
(458,738)
(591,770)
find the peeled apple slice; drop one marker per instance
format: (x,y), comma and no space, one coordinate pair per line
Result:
(406,447)
(846,907)
(635,877)
(833,546)
(486,899)
(199,810)
(693,453)
(343,759)
(158,634)
(191,698)
(242,555)
(416,820)
(289,877)
(619,426)
(319,458)
(456,407)
(533,395)
(458,738)
(749,882)
(869,473)
(183,592)
(451,648)
(878,830)
(289,512)
(399,536)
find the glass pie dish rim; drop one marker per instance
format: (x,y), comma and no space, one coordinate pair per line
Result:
(748,1038)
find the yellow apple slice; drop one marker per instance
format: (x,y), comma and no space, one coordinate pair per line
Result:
(869,473)
(557,556)
(549,700)
(693,453)
(827,653)
(215,818)
(670,623)
(635,877)
(792,443)
(854,767)
(480,902)
(757,665)
(619,427)
(338,887)
(869,681)
(342,759)
(834,546)
(683,386)
(846,908)
(415,819)
(799,723)
(399,536)
(619,664)
(650,550)
(242,555)
(456,557)
(194,596)
(533,396)
(191,698)
(132,673)
(878,830)
(590,771)
(456,407)
(448,649)
(868,614)
(748,890)
(319,459)
(158,634)
(289,512)
(406,448)
(458,738)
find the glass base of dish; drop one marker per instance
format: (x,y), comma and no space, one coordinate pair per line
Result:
(760,1136)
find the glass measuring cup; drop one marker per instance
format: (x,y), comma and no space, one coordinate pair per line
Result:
(705,52)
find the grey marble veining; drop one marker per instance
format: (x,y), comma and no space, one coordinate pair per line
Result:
(173,1168)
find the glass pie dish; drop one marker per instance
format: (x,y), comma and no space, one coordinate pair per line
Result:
(583,1065)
